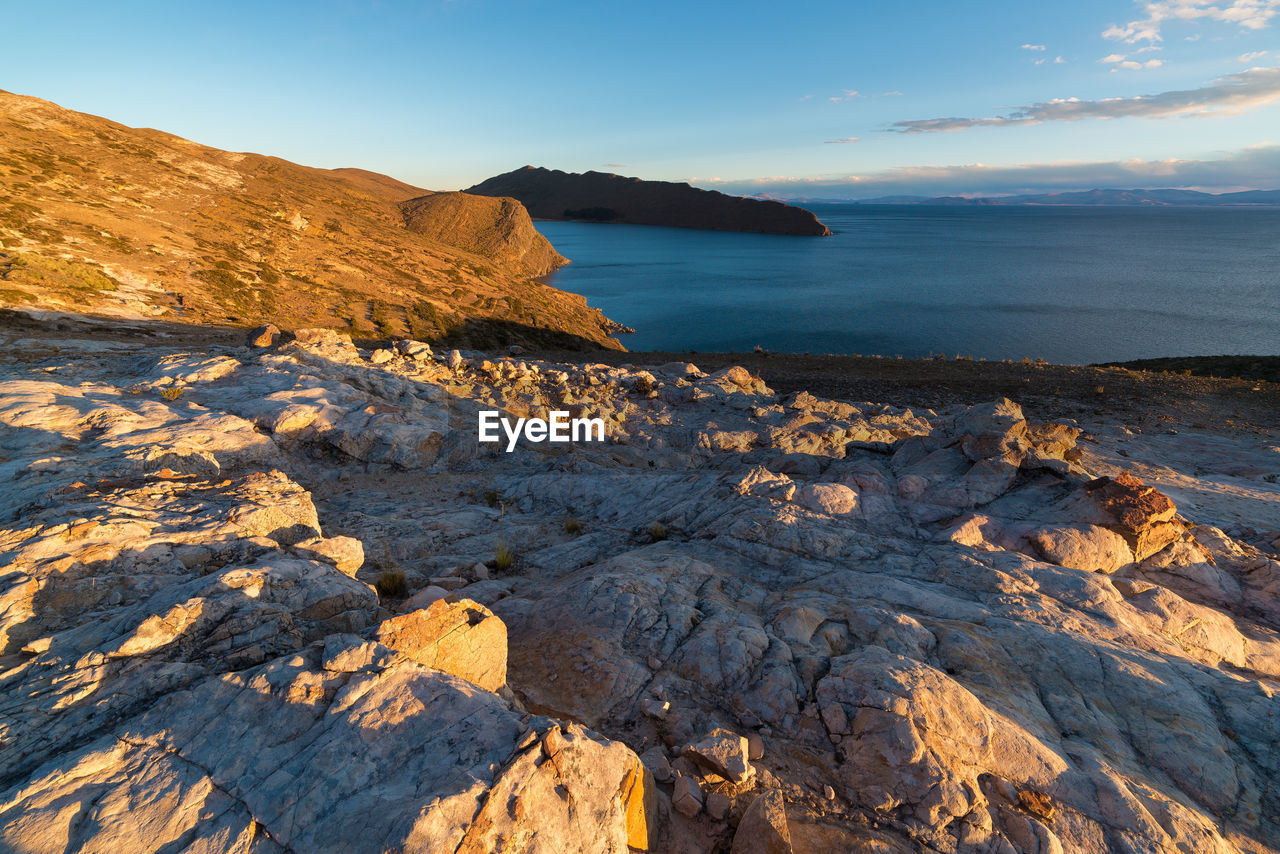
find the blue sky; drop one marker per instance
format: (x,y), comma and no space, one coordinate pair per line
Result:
(821,99)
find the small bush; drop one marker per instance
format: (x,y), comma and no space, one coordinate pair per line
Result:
(503,557)
(172,393)
(492,497)
(657,531)
(572,525)
(644,384)
(392,584)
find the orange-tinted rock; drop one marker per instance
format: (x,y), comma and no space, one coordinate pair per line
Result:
(1145,517)
(463,638)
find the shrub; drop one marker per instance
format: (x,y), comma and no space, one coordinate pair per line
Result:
(172,393)
(657,531)
(572,525)
(392,584)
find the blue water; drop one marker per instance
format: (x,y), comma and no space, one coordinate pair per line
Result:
(1068,284)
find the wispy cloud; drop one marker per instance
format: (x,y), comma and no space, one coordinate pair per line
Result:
(1234,93)
(890,94)
(1247,14)
(847,140)
(1057,60)
(1033,47)
(845,95)
(1119,61)
(1256,167)
(1249,57)
(616,165)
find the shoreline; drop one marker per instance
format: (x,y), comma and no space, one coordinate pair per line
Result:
(1151,395)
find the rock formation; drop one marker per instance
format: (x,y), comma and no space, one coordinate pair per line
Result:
(601,197)
(102,219)
(495,228)
(280,598)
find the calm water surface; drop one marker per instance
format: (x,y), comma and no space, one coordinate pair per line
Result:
(1068,284)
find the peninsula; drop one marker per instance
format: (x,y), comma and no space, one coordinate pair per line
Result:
(603,197)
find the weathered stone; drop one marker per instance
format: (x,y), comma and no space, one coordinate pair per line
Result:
(463,638)
(1088,547)
(655,759)
(717,805)
(654,708)
(955,657)
(263,336)
(344,553)
(724,752)
(763,829)
(686,796)
(1145,517)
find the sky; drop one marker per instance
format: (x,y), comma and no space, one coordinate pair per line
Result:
(837,100)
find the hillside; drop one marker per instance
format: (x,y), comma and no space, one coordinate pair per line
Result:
(99,218)
(601,197)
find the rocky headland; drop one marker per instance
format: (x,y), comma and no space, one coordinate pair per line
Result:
(278,598)
(604,197)
(102,219)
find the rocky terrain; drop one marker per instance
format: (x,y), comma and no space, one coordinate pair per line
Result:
(102,219)
(602,197)
(279,598)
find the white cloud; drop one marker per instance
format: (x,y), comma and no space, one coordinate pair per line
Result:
(1039,62)
(1057,60)
(891,93)
(1250,168)
(1228,95)
(1033,47)
(1247,14)
(1118,61)
(846,141)
(845,95)
(1249,57)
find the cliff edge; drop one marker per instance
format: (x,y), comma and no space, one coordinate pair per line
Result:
(602,197)
(497,228)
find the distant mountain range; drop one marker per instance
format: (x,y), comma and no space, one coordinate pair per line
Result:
(1093,197)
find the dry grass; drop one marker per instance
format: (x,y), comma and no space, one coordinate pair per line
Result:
(392,584)
(503,557)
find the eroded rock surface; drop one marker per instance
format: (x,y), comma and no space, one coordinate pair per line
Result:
(847,625)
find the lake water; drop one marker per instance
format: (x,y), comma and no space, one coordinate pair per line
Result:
(1068,284)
